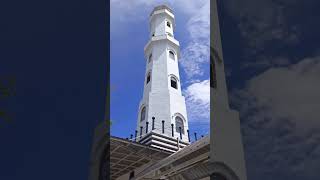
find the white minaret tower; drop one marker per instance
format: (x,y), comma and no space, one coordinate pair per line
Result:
(162,116)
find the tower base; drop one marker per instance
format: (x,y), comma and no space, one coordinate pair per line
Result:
(163,142)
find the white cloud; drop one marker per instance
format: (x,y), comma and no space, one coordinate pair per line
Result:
(198,101)
(289,93)
(280,120)
(195,57)
(199,24)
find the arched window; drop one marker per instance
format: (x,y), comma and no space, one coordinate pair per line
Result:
(174,83)
(148,78)
(150,58)
(143,114)
(179,123)
(171,55)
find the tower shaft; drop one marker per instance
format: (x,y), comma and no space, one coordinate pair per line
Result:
(162,116)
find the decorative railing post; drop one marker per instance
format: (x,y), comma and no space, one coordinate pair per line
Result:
(188,135)
(153,123)
(195,136)
(180,132)
(135,135)
(147,124)
(172,132)
(131,136)
(162,126)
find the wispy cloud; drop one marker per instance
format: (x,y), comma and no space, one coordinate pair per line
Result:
(290,92)
(195,57)
(279,114)
(198,101)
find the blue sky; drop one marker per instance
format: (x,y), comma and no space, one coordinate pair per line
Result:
(129,32)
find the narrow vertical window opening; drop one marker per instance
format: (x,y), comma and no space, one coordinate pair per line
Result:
(171,55)
(174,83)
(150,58)
(213,76)
(148,78)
